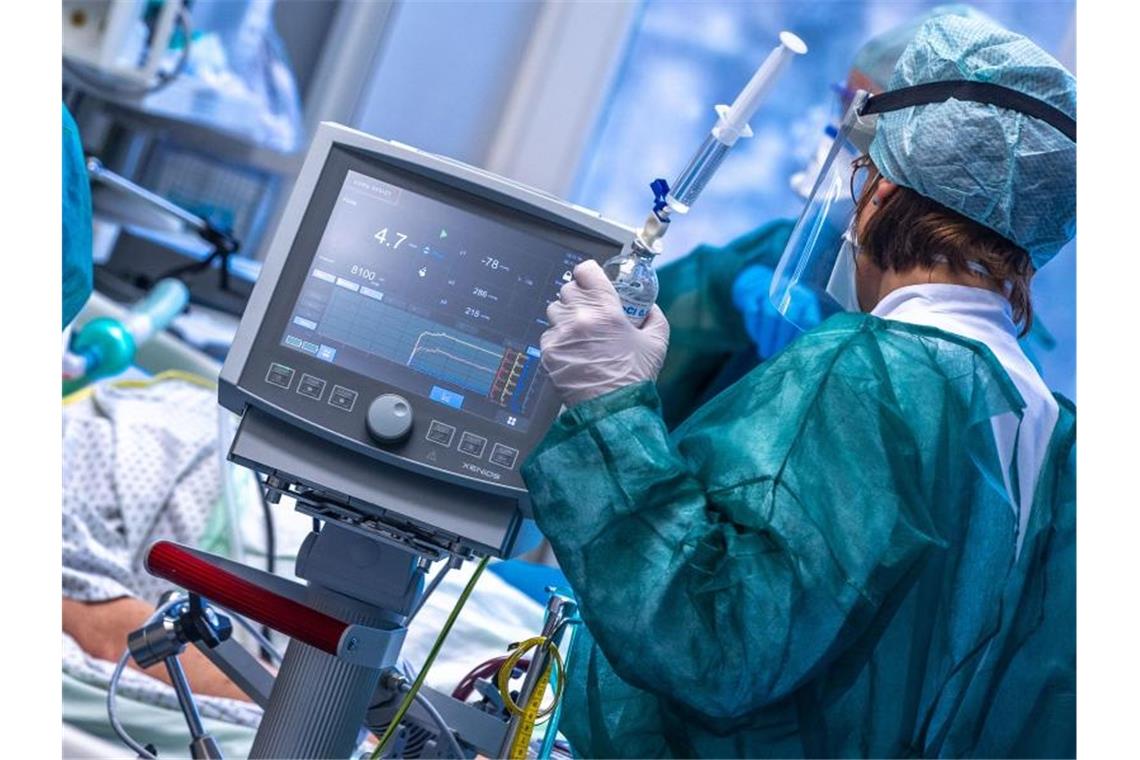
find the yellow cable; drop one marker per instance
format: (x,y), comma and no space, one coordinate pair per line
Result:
(509,664)
(170,374)
(530,713)
(411,695)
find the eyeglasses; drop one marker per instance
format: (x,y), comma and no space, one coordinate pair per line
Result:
(860,173)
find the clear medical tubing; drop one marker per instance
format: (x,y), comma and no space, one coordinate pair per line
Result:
(157,309)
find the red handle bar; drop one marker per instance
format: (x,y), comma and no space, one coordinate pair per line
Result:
(183,567)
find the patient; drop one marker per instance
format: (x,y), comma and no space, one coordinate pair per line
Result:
(140,463)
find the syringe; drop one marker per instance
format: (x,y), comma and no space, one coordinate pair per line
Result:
(632,272)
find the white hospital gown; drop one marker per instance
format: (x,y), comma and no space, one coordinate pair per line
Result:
(140,463)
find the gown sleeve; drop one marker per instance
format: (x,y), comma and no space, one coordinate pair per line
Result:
(722,566)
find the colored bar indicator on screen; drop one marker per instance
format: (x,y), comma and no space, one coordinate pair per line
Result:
(320,274)
(306,323)
(446,397)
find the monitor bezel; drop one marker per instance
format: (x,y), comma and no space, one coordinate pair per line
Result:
(235,394)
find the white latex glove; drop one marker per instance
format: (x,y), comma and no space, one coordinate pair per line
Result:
(591,347)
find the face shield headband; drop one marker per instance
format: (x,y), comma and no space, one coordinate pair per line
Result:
(815,263)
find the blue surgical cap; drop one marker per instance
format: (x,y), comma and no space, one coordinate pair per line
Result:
(1001,168)
(877,58)
(77,277)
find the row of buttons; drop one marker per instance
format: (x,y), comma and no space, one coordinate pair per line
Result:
(471,444)
(311,386)
(438,432)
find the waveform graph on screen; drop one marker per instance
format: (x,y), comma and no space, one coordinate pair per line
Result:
(419,343)
(457,359)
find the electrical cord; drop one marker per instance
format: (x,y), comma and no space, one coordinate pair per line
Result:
(112,710)
(164,79)
(402,710)
(509,664)
(270,560)
(486,669)
(444,729)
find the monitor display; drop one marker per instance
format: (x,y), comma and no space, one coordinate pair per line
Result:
(436,300)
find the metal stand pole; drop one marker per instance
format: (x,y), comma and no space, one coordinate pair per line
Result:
(202,745)
(318,702)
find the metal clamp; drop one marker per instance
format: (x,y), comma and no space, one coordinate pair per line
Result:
(165,639)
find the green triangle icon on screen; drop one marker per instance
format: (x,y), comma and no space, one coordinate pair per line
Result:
(442,234)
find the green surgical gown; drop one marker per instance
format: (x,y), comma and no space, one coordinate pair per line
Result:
(821,562)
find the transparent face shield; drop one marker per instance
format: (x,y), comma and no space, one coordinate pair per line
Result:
(803,180)
(816,274)
(811,269)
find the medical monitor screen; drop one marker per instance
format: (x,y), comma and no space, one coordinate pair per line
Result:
(441,301)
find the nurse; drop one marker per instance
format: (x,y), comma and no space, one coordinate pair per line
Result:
(865,547)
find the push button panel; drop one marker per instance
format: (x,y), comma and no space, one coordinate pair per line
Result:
(472,445)
(444,438)
(279,375)
(311,386)
(440,433)
(342,398)
(504,456)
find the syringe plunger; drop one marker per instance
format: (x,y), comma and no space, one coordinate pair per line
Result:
(732,124)
(734,120)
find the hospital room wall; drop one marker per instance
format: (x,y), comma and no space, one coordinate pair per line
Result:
(512,87)
(444,75)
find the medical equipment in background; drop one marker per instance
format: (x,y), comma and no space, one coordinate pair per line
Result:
(632,272)
(387,375)
(222,243)
(119,46)
(104,347)
(209,119)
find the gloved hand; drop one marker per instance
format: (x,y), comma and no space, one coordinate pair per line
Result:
(769,329)
(591,347)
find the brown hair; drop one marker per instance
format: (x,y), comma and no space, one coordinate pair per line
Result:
(910,230)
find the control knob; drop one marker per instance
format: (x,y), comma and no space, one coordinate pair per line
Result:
(389,418)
